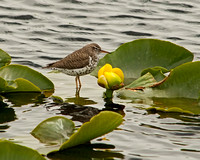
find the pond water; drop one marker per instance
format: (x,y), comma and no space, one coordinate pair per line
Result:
(39,32)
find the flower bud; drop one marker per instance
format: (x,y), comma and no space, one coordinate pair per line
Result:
(110,78)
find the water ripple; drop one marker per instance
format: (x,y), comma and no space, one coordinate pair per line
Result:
(20,17)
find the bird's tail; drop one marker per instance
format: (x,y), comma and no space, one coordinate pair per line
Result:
(48,66)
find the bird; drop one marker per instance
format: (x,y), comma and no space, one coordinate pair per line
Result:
(81,62)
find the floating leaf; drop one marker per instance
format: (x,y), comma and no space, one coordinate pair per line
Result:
(5,58)
(183,81)
(11,151)
(104,122)
(18,78)
(133,57)
(54,130)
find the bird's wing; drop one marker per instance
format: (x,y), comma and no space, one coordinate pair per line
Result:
(72,61)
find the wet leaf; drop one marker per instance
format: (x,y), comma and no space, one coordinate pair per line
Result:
(104,122)
(11,151)
(54,130)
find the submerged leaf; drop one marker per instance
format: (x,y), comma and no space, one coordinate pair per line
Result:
(54,130)
(176,105)
(133,57)
(11,151)
(104,122)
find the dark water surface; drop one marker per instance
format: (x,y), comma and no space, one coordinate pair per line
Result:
(38,32)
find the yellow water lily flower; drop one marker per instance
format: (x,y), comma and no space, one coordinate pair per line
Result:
(110,78)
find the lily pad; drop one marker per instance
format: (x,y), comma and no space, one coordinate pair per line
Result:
(183,81)
(5,58)
(133,57)
(11,151)
(18,78)
(104,122)
(54,130)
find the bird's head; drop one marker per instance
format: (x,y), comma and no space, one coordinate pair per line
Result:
(95,48)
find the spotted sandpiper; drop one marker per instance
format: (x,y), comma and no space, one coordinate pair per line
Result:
(78,63)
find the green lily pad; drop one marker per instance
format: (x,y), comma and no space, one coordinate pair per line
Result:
(11,151)
(5,58)
(104,122)
(133,57)
(183,81)
(18,78)
(54,130)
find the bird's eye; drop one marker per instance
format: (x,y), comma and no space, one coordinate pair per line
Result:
(95,48)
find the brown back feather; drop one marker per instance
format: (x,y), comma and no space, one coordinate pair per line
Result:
(75,60)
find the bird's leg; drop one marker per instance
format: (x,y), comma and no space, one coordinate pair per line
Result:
(79,82)
(78,85)
(76,79)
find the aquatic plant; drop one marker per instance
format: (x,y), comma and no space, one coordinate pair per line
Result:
(20,78)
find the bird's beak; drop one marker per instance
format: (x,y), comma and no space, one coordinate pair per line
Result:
(105,51)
